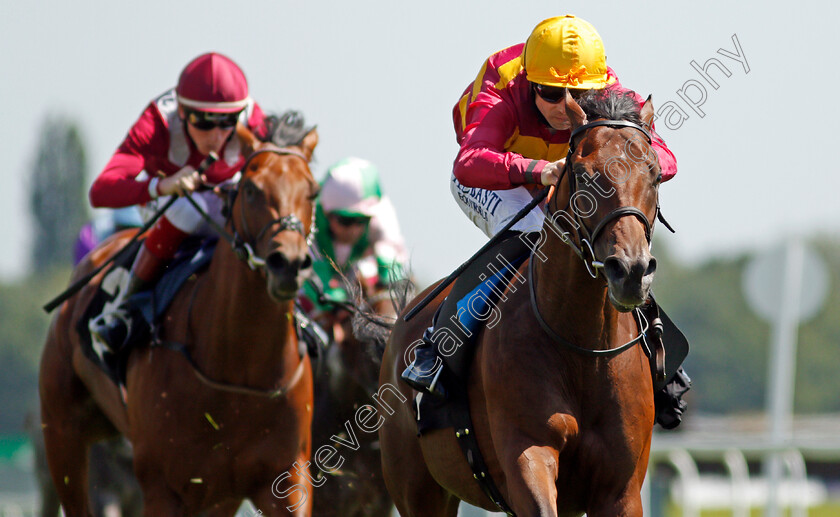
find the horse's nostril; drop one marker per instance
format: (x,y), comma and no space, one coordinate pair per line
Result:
(651,269)
(277,262)
(615,269)
(307,262)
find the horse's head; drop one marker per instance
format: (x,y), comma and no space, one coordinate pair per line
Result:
(611,187)
(272,213)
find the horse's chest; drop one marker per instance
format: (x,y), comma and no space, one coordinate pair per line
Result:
(220,444)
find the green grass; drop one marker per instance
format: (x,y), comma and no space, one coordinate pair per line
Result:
(826,510)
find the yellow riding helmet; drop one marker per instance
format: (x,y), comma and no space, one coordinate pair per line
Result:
(566,51)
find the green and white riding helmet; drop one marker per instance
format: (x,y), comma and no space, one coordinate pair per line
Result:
(351,188)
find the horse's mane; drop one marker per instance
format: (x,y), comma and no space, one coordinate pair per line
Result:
(285,129)
(610,104)
(369,327)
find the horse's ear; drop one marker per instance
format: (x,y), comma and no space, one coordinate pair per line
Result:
(249,141)
(647,113)
(574,112)
(309,142)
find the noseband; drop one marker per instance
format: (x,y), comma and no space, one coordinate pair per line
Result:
(585,237)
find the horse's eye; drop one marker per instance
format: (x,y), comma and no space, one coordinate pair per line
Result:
(250,192)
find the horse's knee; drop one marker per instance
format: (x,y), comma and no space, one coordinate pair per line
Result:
(630,506)
(531,484)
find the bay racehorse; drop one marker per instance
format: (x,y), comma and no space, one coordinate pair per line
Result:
(560,389)
(230,423)
(347,379)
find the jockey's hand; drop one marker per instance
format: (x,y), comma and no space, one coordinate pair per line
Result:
(182,182)
(551,173)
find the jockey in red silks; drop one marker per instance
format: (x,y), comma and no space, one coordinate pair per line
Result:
(158,159)
(513,133)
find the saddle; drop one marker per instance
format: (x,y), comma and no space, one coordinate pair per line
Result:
(147,306)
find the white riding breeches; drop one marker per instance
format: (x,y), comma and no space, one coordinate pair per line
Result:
(185,217)
(491,210)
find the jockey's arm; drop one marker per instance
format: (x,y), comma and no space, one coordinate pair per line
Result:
(117,185)
(482,160)
(667,161)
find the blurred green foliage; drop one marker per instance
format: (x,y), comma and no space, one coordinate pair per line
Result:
(57,191)
(728,361)
(23,329)
(729,356)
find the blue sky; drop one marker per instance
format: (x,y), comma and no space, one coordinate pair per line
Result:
(380,80)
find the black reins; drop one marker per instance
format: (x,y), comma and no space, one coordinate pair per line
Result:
(585,250)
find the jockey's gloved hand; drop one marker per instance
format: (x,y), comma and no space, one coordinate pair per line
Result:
(551,173)
(182,182)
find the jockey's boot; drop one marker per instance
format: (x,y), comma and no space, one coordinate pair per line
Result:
(430,371)
(424,372)
(668,402)
(121,326)
(118,327)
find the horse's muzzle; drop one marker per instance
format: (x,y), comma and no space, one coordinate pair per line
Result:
(285,275)
(629,279)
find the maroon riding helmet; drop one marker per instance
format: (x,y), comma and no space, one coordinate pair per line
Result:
(213,83)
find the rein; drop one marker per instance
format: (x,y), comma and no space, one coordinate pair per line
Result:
(230,388)
(532,288)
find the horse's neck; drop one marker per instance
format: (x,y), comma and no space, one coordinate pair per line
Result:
(574,304)
(244,336)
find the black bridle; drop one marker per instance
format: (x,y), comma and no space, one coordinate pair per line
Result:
(585,239)
(243,247)
(585,250)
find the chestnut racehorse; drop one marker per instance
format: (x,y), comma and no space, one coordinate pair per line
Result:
(348,378)
(229,424)
(560,389)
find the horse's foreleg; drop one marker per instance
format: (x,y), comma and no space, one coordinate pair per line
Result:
(628,505)
(64,424)
(226,509)
(160,501)
(290,493)
(68,460)
(531,484)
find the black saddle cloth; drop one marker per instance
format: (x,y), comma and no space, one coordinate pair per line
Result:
(193,256)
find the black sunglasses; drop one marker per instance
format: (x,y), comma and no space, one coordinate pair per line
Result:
(346,220)
(556,94)
(205,121)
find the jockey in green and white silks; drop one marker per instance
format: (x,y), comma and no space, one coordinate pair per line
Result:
(358,235)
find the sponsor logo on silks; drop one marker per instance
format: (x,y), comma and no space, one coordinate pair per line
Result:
(482,201)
